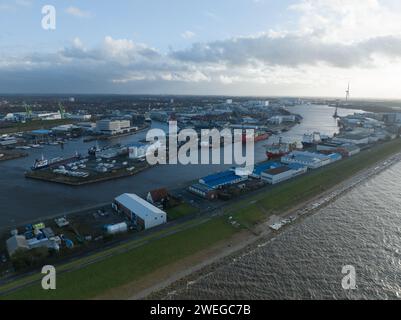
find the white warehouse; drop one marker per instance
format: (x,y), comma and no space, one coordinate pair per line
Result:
(139,211)
(112,127)
(283,173)
(312,160)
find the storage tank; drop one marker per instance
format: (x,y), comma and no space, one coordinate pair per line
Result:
(117,228)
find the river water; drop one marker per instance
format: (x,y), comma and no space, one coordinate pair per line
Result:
(361,228)
(24,200)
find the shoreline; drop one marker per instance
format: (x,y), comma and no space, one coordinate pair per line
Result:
(155,286)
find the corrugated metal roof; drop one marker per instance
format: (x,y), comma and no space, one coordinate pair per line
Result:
(41,131)
(265,166)
(221,178)
(139,206)
(279,170)
(296,166)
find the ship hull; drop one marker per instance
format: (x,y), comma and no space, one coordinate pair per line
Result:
(257,138)
(308,144)
(271,155)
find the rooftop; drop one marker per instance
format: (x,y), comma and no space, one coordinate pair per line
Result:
(139,206)
(201,187)
(277,171)
(351,136)
(265,166)
(41,132)
(220,178)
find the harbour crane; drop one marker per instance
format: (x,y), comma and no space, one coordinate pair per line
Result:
(61,110)
(28,110)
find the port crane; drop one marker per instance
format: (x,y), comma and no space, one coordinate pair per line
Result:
(336,116)
(61,110)
(28,111)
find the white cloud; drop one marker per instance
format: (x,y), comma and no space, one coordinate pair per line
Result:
(24,3)
(333,42)
(348,20)
(77,12)
(188,35)
(13,5)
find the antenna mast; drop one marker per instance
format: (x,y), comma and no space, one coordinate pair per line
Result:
(347,93)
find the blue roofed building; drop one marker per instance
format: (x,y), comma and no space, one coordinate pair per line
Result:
(335,157)
(221,179)
(40,135)
(41,132)
(259,168)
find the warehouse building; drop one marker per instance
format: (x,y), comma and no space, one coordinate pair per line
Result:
(312,160)
(260,168)
(203,191)
(358,139)
(345,149)
(143,214)
(283,173)
(44,239)
(65,128)
(221,179)
(112,127)
(16,243)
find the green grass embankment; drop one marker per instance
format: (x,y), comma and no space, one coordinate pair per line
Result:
(180,211)
(130,266)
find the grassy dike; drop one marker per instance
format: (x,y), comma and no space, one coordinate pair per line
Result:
(130,266)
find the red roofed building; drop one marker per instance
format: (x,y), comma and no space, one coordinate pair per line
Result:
(158,196)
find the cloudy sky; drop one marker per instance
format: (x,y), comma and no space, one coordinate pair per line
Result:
(233,47)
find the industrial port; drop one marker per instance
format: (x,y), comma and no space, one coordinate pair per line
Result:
(284,159)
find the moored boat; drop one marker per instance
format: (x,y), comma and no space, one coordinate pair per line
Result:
(311,139)
(43,163)
(257,136)
(277,150)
